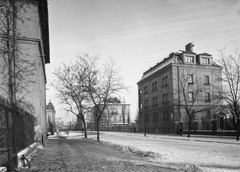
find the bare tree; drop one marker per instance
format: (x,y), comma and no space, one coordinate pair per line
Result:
(191,88)
(103,82)
(106,118)
(231,85)
(70,84)
(110,112)
(16,67)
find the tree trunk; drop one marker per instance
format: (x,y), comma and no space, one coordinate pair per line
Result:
(85,129)
(189,127)
(145,130)
(238,128)
(98,130)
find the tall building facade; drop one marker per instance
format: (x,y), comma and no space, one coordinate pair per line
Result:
(29,35)
(184,81)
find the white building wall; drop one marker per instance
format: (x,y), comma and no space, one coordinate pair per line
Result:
(30,45)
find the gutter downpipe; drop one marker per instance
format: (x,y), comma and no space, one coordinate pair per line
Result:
(178,93)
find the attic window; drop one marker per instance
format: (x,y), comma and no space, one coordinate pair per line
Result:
(205,60)
(189,59)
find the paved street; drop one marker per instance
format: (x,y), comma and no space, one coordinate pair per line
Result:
(134,152)
(209,153)
(68,155)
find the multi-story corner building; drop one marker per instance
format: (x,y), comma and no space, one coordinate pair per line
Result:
(25,29)
(184,81)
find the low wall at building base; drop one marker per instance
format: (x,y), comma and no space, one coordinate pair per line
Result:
(210,132)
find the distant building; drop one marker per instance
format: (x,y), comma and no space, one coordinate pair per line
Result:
(114,114)
(50,109)
(160,94)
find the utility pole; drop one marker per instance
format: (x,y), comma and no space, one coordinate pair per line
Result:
(145,132)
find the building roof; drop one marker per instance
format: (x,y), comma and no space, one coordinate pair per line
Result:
(43,13)
(205,54)
(173,58)
(158,66)
(50,106)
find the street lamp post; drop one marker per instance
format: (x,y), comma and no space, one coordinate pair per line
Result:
(145,132)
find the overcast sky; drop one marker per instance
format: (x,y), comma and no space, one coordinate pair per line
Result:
(138,33)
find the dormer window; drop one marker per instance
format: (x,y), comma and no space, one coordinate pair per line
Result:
(189,59)
(205,60)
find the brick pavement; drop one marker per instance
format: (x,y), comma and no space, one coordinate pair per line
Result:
(70,155)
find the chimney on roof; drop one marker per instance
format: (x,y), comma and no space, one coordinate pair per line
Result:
(189,47)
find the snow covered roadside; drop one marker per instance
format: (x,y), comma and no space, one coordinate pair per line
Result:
(183,154)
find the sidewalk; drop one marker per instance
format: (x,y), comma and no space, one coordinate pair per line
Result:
(73,155)
(197,138)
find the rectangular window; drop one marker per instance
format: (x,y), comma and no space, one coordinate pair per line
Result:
(208,114)
(190,96)
(205,60)
(146,90)
(155,116)
(165,98)
(146,118)
(206,80)
(189,59)
(165,81)
(155,101)
(207,97)
(146,103)
(154,86)
(166,116)
(190,78)
(192,113)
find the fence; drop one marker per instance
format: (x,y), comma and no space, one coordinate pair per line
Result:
(121,128)
(16,132)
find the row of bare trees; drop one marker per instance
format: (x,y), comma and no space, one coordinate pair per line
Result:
(87,83)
